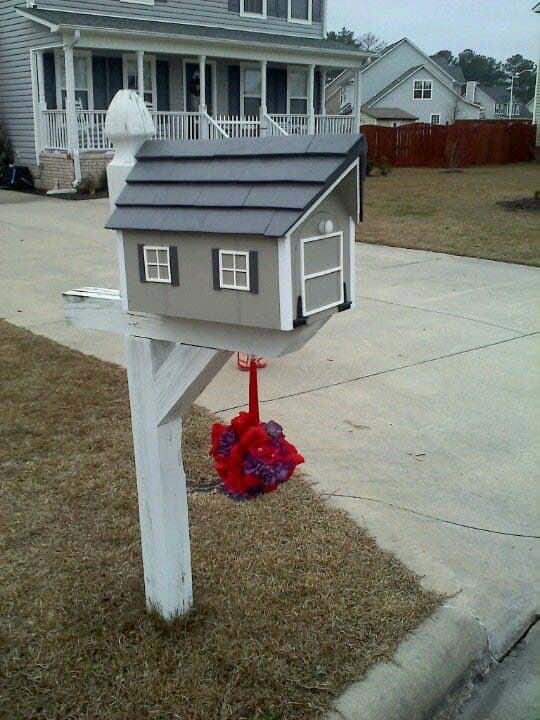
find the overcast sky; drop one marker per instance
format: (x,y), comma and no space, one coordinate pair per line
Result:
(492,27)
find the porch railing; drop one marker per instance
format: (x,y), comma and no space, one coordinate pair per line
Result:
(186,126)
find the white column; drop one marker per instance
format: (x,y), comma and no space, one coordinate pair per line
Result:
(264,97)
(203,110)
(357,99)
(71,113)
(140,72)
(323,92)
(311,100)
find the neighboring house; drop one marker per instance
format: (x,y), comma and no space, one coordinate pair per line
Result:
(386,116)
(495,102)
(405,78)
(454,71)
(226,68)
(536,107)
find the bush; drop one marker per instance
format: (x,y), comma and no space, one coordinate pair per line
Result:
(384,167)
(7,156)
(86,186)
(369,166)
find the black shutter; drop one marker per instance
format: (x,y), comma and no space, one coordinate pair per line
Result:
(173,260)
(162,85)
(282,9)
(142,270)
(215,268)
(277,91)
(115,78)
(317,99)
(234,6)
(272,8)
(234,90)
(99,79)
(50,80)
(254,272)
(317,10)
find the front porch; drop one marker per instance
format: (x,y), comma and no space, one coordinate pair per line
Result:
(188,98)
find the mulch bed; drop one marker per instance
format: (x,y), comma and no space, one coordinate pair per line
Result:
(292,600)
(531,204)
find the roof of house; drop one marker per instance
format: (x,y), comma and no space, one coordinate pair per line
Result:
(502,95)
(260,186)
(454,70)
(111,23)
(388,113)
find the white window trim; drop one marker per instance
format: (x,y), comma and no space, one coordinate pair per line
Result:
(138,2)
(299,21)
(243,68)
(424,83)
(291,69)
(58,59)
(146,263)
(126,57)
(234,253)
(329,271)
(213,78)
(245,13)
(437,115)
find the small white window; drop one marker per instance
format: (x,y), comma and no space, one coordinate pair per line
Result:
(234,270)
(157,264)
(253,8)
(251,91)
(423,90)
(435,119)
(298,91)
(300,11)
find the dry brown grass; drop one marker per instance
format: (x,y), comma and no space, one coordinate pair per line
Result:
(293,601)
(429,209)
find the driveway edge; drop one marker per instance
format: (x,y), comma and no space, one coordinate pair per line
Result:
(428,667)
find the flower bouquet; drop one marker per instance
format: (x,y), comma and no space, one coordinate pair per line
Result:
(252,457)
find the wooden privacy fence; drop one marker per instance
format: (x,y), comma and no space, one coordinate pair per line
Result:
(464,143)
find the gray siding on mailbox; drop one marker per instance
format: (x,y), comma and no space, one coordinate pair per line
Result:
(195,297)
(17,37)
(205,12)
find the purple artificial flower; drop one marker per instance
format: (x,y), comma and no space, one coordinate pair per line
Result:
(274,431)
(226,443)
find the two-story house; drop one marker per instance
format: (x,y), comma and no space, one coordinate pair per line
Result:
(495,102)
(225,68)
(405,85)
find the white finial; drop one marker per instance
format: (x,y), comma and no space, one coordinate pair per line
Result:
(128,124)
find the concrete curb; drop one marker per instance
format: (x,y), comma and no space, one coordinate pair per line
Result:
(428,666)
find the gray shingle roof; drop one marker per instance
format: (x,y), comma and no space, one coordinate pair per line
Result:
(454,70)
(259,186)
(388,113)
(159,27)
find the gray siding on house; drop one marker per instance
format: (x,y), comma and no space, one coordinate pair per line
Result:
(204,12)
(17,37)
(195,297)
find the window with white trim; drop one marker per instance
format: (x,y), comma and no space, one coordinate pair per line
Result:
(131,77)
(300,11)
(435,119)
(82,68)
(499,108)
(298,91)
(253,8)
(251,91)
(157,264)
(322,273)
(423,90)
(234,270)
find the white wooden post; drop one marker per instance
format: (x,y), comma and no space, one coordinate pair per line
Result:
(311,100)
(140,72)
(202,98)
(71,112)
(264,97)
(357,99)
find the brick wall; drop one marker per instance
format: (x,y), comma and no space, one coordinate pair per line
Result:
(56,171)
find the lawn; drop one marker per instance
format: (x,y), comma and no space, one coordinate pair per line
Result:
(455,213)
(293,600)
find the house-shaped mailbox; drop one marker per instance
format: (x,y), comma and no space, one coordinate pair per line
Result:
(249,232)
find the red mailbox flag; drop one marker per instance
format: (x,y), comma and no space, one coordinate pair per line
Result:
(252,458)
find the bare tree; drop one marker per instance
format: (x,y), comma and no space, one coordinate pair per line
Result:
(371,43)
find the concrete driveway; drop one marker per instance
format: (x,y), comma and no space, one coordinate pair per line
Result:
(417,412)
